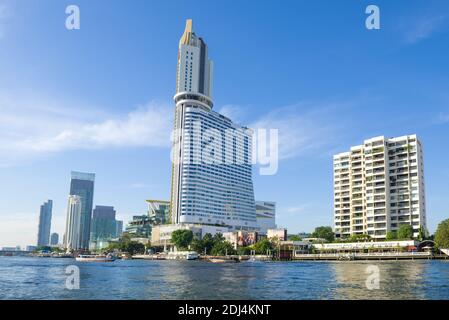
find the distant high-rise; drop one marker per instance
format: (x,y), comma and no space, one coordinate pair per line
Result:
(211,180)
(118,228)
(103,223)
(266,215)
(159,212)
(54,239)
(379,186)
(43,235)
(72,239)
(82,185)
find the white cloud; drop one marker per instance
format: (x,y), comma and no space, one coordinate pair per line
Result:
(31,128)
(234,112)
(301,131)
(442,118)
(423,28)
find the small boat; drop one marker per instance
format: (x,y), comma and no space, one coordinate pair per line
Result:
(218,260)
(95,258)
(182,255)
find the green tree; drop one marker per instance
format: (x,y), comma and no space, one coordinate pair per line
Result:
(262,246)
(243,251)
(324,233)
(133,247)
(391,235)
(422,233)
(294,237)
(182,238)
(405,232)
(442,234)
(221,248)
(359,237)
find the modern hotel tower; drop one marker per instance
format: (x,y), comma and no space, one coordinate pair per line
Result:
(379,186)
(82,185)
(211,180)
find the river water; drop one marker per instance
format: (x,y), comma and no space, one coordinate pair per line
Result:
(45,278)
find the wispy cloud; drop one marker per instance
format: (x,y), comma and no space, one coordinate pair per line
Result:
(32,129)
(302,128)
(442,118)
(234,112)
(424,27)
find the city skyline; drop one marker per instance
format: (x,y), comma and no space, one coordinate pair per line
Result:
(364,84)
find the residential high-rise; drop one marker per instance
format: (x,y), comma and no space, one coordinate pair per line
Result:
(82,185)
(379,186)
(103,224)
(43,235)
(54,239)
(266,215)
(72,238)
(212,168)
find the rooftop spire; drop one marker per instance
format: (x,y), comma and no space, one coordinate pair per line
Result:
(187,36)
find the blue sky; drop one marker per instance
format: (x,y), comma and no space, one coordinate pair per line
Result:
(99,99)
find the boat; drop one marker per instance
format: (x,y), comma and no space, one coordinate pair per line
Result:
(182,255)
(220,260)
(95,258)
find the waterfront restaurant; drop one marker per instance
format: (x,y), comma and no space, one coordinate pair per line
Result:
(367,247)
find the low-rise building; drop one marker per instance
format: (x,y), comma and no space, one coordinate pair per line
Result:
(280,234)
(379,246)
(139,227)
(241,238)
(161,235)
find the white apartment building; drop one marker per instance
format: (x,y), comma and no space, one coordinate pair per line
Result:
(212,167)
(378,186)
(72,239)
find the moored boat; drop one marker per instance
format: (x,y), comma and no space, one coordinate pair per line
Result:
(220,260)
(95,258)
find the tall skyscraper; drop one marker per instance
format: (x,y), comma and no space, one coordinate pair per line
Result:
(82,185)
(212,169)
(379,186)
(72,238)
(54,239)
(43,235)
(103,223)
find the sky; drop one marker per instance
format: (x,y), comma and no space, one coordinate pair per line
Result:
(99,99)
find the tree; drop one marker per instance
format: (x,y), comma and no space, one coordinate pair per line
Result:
(182,238)
(324,233)
(442,234)
(133,247)
(405,232)
(262,246)
(221,248)
(391,235)
(243,251)
(359,237)
(294,237)
(422,233)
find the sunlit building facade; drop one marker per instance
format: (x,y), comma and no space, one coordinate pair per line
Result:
(212,168)
(379,186)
